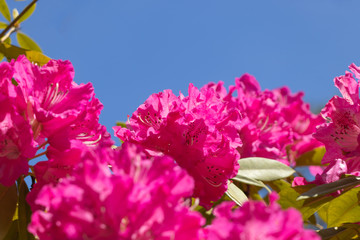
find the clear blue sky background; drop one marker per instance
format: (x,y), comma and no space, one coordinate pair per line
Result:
(130,49)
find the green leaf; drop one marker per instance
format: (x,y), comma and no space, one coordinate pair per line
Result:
(311,158)
(288,199)
(26,42)
(4,9)
(328,233)
(331,187)
(250,181)
(27,14)
(309,208)
(13,52)
(8,41)
(264,169)
(348,231)
(343,209)
(3,25)
(121,124)
(235,194)
(24,212)
(279,185)
(8,200)
(286,193)
(13,231)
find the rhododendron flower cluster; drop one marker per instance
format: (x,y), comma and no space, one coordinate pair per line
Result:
(207,131)
(42,105)
(177,150)
(254,220)
(196,131)
(276,124)
(142,198)
(341,133)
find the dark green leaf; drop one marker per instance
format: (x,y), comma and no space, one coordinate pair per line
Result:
(264,169)
(8,200)
(343,209)
(13,233)
(12,52)
(312,157)
(328,233)
(235,194)
(250,181)
(27,14)
(24,212)
(351,231)
(26,42)
(4,9)
(331,187)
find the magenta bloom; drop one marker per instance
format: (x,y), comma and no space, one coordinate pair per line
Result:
(43,105)
(54,105)
(197,131)
(141,198)
(16,143)
(341,133)
(274,121)
(254,220)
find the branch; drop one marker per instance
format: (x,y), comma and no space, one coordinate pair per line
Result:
(12,24)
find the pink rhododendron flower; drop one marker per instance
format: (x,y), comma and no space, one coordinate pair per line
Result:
(140,199)
(254,220)
(341,133)
(16,143)
(332,173)
(206,130)
(197,131)
(52,102)
(44,105)
(277,121)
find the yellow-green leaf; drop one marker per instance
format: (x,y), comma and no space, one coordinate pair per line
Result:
(3,25)
(8,41)
(312,157)
(279,185)
(26,42)
(288,198)
(309,208)
(13,52)
(8,200)
(4,9)
(121,124)
(343,209)
(27,14)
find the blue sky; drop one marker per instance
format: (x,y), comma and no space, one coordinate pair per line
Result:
(130,49)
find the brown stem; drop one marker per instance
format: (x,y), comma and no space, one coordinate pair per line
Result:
(12,24)
(37,155)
